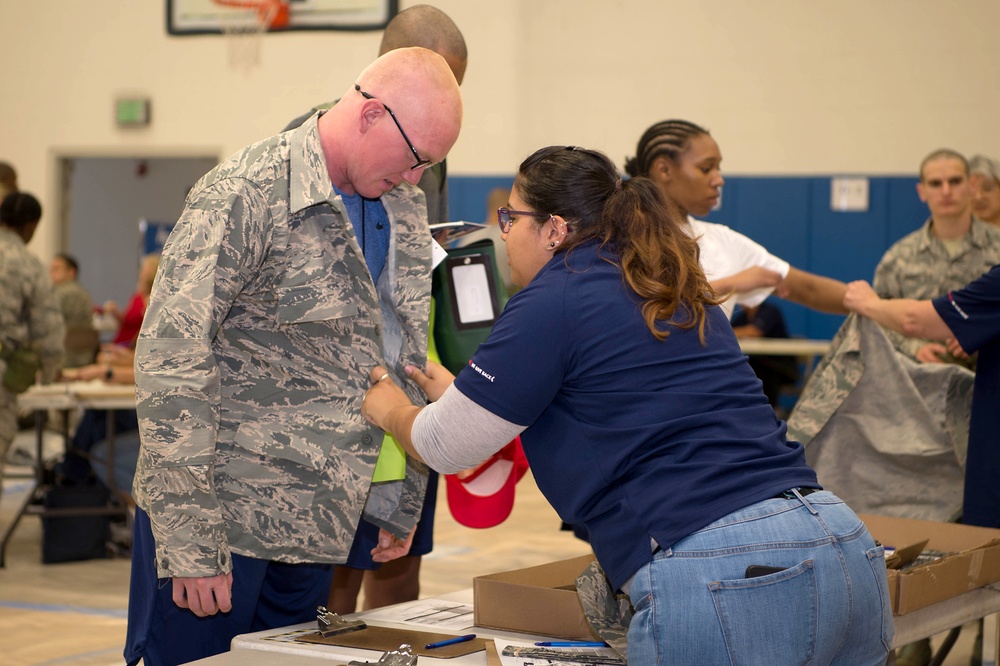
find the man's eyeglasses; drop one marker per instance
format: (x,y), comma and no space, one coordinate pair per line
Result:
(505,220)
(421,163)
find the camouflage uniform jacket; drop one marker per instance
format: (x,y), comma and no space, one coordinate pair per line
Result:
(916,266)
(29,312)
(28,315)
(78,314)
(253,359)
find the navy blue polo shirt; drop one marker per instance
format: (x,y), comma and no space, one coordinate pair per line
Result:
(628,436)
(973,315)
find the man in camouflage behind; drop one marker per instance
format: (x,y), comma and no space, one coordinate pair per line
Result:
(910,462)
(297,264)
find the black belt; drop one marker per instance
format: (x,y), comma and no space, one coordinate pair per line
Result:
(788,494)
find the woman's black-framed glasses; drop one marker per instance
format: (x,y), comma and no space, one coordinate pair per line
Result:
(505,220)
(421,163)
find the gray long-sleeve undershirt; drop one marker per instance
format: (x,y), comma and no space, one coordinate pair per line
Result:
(455,433)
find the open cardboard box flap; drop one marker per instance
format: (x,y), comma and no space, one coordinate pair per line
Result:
(535,600)
(974,560)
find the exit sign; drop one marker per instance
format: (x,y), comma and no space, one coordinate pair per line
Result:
(132,112)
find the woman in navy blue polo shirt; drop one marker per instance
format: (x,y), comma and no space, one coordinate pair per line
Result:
(643,423)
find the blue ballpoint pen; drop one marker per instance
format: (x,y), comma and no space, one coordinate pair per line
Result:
(571,644)
(450,641)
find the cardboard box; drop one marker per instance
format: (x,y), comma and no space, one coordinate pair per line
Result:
(543,600)
(536,600)
(974,562)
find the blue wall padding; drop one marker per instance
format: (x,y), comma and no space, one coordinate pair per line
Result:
(467,196)
(791,217)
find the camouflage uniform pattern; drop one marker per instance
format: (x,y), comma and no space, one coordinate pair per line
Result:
(254,357)
(28,315)
(917,266)
(897,444)
(78,314)
(607,613)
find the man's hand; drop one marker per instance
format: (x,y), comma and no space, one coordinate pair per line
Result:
(932,352)
(432,380)
(391,548)
(956,349)
(859,294)
(205,596)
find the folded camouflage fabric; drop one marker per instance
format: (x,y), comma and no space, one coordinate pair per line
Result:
(608,614)
(895,445)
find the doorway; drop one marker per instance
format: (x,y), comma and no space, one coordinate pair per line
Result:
(105,199)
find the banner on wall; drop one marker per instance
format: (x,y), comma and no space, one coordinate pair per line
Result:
(153,235)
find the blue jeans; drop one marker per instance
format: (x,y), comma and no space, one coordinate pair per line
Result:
(829,603)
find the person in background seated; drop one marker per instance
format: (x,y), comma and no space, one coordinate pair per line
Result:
(90,437)
(644,424)
(77,309)
(985,180)
(775,372)
(398,580)
(29,313)
(84,460)
(130,320)
(686,164)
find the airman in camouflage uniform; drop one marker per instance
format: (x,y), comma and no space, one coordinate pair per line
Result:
(29,314)
(911,464)
(254,353)
(919,266)
(77,308)
(399,580)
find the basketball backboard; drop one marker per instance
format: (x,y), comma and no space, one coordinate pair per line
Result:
(200,17)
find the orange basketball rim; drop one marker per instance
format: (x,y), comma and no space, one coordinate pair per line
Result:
(273,14)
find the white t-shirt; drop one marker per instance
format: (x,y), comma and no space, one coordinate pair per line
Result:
(725,252)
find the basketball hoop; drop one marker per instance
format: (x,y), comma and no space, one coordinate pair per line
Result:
(244,22)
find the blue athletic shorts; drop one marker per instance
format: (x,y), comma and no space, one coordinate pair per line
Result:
(366,538)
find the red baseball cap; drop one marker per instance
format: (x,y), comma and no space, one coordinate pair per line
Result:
(486,497)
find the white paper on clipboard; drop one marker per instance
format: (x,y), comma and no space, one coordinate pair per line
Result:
(473,297)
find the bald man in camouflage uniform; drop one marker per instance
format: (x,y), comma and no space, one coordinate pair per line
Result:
(29,313)
(256,464)
(397,581)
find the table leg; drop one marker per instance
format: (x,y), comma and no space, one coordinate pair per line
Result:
(110,458)
(13,525)
(37,484)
